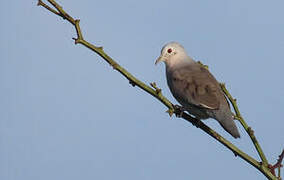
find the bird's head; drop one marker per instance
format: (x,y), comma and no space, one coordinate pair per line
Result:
(172,53)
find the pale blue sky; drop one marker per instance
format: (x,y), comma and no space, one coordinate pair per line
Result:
(65,114)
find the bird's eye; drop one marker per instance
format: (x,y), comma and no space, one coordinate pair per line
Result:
(170,50)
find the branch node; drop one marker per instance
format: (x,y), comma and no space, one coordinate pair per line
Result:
(132,83)
(158,90)
(77,22)
(223,85)
(203,65)
(178,110)
(114,65)
(170,111)
(250,131)
(77,40)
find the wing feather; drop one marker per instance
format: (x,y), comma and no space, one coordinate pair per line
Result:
(195,85)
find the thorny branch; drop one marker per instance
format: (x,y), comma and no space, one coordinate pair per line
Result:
(277,165)
(264,167)
(248,129)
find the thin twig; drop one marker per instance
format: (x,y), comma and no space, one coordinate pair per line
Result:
(244,124)
(277,165)
(40,3)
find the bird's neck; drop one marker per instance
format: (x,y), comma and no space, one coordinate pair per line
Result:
(179,61)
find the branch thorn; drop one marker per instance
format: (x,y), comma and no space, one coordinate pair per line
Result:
(170,112)
(154,85)
(203,65)
(76,40)
(132,83)
(278,164)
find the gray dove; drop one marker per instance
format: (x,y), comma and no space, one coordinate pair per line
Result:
(195,88)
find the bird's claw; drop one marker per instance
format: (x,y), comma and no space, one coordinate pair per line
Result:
(197,123)
(179,110)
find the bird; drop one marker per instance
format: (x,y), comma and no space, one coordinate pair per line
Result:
(195,88)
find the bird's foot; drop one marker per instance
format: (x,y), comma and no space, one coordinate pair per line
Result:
(178,110)
(197,123)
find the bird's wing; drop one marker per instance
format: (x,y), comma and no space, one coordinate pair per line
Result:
(196,85)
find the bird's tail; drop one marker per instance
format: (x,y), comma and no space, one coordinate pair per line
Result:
(229,125)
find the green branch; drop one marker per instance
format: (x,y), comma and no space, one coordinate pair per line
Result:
(244,124)
(156,92)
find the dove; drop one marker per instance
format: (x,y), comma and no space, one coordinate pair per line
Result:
(195,88)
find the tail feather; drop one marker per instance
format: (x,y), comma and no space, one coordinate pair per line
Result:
(226,119)
(230,126)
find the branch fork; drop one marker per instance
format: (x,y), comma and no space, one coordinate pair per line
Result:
(158,90)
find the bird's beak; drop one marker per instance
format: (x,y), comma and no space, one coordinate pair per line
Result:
(161,58)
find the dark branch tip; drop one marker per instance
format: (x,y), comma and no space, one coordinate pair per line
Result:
(76,40)
(39,3)
(170,112)
(132,83)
